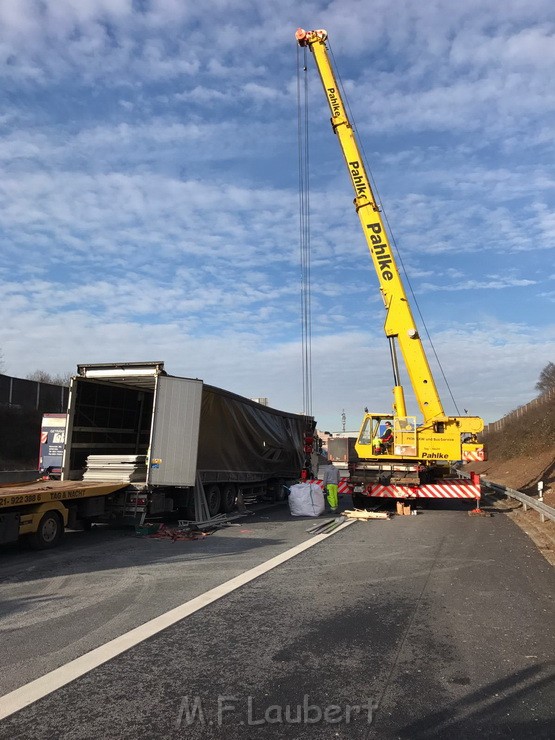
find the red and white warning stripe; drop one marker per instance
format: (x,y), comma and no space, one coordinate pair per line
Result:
(473,455)
(451,489)
(447,489)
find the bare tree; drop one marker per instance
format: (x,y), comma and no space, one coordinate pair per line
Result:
(546,381)
(41,376)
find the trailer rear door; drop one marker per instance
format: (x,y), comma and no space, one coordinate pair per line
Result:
(175,432)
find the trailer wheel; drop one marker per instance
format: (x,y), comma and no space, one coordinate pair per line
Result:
(229,498)
(49,531)
(213,499)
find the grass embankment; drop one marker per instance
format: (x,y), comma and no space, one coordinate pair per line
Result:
(529,433)
(522,452)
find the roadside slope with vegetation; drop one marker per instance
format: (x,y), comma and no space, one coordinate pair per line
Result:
(521,451)
(520,454)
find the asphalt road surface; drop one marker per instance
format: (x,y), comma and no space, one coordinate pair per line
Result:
(437,625)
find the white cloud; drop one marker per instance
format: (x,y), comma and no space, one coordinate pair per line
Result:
(149,203)
(493,282)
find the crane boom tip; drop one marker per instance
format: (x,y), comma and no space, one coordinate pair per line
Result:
(306,37)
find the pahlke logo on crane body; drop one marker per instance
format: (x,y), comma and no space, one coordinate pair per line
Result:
(381,250)
(334,102)
(359,180)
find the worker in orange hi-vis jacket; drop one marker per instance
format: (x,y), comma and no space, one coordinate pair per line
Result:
(330,482)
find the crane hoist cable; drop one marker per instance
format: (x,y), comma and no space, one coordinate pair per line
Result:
(389,229)
(304,228)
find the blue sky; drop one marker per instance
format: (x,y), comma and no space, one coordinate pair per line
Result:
(149,202)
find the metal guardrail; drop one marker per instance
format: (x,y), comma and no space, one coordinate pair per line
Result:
(543,509)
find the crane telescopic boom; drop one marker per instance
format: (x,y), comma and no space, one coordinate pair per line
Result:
(439,437)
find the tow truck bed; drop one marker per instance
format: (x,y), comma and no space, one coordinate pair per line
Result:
(54,490)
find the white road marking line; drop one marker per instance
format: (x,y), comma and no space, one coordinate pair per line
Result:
(50,682)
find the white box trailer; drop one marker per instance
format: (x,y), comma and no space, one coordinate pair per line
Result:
(178,435)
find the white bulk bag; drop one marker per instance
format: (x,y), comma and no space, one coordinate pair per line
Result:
(306,499)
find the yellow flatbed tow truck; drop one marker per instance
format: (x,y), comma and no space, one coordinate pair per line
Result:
(42,509)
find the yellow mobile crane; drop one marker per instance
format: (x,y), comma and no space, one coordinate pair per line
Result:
(416,453)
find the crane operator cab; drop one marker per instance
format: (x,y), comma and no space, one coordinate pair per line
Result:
(387,435)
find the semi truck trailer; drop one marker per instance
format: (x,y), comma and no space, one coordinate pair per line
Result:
(155,444)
